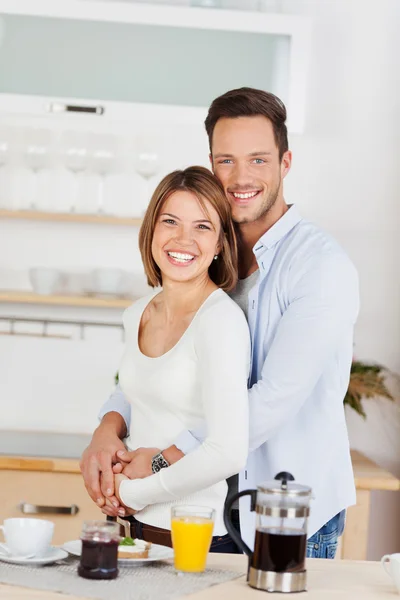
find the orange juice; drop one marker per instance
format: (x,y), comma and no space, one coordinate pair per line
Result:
(191,539)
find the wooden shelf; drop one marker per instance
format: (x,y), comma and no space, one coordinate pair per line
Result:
(33,215)
(18,297)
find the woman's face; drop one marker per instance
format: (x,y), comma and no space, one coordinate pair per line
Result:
(185,238)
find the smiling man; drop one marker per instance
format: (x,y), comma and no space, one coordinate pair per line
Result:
(299,292)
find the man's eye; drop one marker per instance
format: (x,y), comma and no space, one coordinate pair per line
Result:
(226,161)
(259,161)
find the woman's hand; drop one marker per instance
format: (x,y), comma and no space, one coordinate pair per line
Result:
(136,464)
(114,507)
(110,510)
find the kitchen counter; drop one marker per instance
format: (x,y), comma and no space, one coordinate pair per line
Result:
(339,580)
(43,443)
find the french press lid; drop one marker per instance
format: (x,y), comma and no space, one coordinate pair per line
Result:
(283,484)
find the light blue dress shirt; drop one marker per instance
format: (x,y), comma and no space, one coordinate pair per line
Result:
(301,316)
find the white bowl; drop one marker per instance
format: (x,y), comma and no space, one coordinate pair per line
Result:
(108,281)
(45,281)
(75,283)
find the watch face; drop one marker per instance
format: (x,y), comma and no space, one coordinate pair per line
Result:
(158,462)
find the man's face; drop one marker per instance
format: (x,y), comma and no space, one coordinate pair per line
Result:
(245,158)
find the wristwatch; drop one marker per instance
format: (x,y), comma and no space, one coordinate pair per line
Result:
(158,462)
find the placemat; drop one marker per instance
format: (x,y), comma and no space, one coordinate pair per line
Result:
(156,581)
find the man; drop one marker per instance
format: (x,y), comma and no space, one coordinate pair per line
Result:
(300,294)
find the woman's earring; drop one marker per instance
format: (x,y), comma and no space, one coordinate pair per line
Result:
(215,257)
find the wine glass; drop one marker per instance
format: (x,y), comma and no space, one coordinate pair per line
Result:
(37,155)
(4,156)
(75,155)
(146,160)
(103,161)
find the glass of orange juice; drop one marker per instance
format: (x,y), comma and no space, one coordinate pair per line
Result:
(191,530)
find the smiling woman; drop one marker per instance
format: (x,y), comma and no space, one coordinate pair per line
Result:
(186,358)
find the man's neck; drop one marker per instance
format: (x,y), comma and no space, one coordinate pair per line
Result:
(250,233)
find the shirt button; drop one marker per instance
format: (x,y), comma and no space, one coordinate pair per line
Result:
(316,546)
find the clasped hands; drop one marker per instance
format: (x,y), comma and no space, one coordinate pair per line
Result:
(131,465)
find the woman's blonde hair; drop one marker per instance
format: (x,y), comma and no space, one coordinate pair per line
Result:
(206,187)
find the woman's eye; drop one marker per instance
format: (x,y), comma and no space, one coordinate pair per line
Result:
(202,226)
(169,221)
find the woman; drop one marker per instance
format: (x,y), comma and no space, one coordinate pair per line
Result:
(187,352)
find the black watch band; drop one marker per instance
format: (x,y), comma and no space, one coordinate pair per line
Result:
(158,462)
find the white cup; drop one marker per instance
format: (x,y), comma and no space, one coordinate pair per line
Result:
(391,564)
(27,537)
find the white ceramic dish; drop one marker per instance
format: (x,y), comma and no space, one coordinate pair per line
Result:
(52,556)
(108,282)
(156,553)
(45,281)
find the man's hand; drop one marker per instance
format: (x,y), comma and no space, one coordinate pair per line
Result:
(135,464)
(109,507)
(97,459)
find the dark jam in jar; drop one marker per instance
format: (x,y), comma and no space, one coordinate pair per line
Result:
(99,559)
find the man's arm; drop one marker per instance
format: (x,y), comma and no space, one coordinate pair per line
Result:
(118,403)
(323,308)
(98,458)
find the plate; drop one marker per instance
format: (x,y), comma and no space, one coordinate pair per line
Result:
(53,555)
(156,552)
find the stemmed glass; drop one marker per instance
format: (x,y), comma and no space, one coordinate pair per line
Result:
(4,156)
(103,161)
(146,160)
(37,155)
(75,155)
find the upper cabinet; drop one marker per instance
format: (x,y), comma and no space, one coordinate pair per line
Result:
(170,58)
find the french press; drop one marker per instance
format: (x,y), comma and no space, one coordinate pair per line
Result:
(282,509)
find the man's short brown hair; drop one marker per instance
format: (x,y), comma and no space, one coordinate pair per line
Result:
(206,187)
(249,102)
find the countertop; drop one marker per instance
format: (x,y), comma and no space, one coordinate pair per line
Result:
(327,579)
(43,443)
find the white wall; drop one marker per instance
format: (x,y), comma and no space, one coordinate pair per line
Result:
(344,177)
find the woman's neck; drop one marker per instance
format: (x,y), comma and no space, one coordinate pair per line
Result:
(179,299)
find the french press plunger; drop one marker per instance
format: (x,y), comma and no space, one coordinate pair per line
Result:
(278,561)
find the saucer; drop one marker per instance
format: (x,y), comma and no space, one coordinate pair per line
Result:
(51,556)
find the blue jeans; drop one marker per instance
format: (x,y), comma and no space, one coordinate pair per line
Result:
(323,544)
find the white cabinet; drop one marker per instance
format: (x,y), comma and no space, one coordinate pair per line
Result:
(171,60)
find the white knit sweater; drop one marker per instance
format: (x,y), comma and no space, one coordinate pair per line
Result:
(202,378)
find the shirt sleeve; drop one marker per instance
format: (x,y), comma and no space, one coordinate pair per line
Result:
(222,345)
(323,307)
(117,402)
(190,440)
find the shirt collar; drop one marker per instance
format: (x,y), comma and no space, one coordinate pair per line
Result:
(278,230)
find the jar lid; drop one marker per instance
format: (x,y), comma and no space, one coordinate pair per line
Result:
(284,485)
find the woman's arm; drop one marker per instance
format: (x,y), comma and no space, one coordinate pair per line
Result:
(222,345)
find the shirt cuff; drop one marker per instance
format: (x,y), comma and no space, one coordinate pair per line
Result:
(127,495)
(139,493)
(186,442)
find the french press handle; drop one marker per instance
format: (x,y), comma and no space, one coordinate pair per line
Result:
(283,476)
(233,532)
